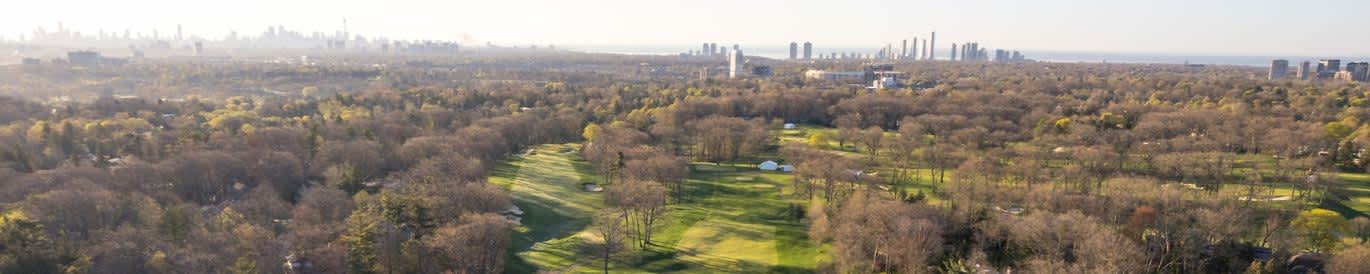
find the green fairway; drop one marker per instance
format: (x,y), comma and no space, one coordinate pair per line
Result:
(734,220)
(546,185)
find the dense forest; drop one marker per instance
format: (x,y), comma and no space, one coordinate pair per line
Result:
(363,164)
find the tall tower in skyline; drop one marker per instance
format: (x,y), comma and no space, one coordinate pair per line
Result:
(794,50)
(932,50)
(904,50)
(808,50)
(925,49)
(1278,68)
(1304,69)
(1360,71)
(953,52)
(735,63)
(913,51)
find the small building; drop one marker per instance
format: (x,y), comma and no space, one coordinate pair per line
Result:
(768,166)
(834,75)
(84,58)
(787,168)
(762,71)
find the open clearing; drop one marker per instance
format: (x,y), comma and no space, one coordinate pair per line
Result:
(733,221)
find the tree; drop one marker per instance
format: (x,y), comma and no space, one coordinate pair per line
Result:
(476,244)
(24,248)
(610,228)
(666,169)
(819,139)
(1320,229)
(642,204)
(877,235)
(1354,260)
(1360,226)
(872,138)
(719,138)
(363,230)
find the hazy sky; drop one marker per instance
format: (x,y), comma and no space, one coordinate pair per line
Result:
(1229,27)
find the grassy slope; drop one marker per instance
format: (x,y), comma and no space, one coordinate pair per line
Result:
(546,185)
(733,221)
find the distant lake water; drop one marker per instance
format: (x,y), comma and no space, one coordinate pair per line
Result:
(1049,56)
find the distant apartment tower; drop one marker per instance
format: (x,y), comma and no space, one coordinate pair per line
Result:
(925,49)
(794,50)
(904,50)
(932,50)
(913,50)
(1358,71)
(1278,68)
(1328,67)
(705,50)
(808,50)
(735,63)
(953,52)
(1304,69)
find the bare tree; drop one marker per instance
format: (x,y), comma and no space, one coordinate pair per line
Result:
(642,204)
(611,229)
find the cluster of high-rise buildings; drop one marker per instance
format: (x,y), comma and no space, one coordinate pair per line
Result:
(911,50)
(712,49)
(274,37)
(794,51)
(972,52)
(1325,69)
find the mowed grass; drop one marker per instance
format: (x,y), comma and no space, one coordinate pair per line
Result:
(734,220)
(1358,190)
(546,185)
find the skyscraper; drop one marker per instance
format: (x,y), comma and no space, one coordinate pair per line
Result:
(925,49)
(932,50)
(808,50)
(904,50)
(913,51)
(953,52)
(1278,68)
(794,50)
(705,51)
(1360,71)
(1327,67)
(1304,70)
(735,63)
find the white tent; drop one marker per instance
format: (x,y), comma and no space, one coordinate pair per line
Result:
(790,126)
(787,168)
(768,166)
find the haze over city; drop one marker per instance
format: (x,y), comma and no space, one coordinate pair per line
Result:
(1223,27)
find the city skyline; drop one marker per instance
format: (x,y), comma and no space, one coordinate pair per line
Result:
(1224,27)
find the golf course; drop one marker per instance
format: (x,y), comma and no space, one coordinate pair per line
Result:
(733,219)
